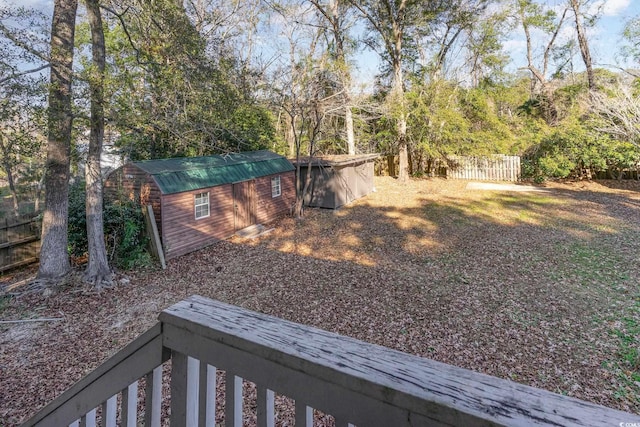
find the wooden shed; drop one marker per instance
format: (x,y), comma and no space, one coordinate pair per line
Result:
(200,200)
(338,179)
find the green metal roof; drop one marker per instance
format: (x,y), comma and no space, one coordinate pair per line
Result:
(191,173)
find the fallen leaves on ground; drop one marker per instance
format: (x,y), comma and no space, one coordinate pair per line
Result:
(523,286)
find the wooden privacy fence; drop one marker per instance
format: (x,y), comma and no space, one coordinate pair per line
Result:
(491,168)
(358,383)
(497,167)
(19,243)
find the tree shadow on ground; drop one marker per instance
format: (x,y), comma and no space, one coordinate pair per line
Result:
(520,286)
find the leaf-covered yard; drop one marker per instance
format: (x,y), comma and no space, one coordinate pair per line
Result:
(539,287)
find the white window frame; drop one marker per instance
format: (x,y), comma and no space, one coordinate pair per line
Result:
(201,200)
(276,186)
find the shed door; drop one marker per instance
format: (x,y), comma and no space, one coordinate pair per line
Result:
(244,204)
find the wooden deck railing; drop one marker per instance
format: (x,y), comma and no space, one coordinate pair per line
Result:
(357,383)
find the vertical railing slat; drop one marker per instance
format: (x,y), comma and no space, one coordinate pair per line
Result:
(309,417)
(76,423)
(129,415)
(153,398)
(233,400)
(207,410)
(110,411)
(193,386)
(266,407)
(89,419)
(178,389)
(304,414)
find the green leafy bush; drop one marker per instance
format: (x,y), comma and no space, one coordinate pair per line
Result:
(575,150)
(124,230)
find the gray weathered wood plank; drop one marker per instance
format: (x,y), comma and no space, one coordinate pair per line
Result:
(178,389)
(266,406)
(129,412)
(317,392)
(425,389)
(153,398)
(109,412)
(233,400)
(126,366)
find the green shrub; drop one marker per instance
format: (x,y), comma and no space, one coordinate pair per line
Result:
(556,166)
(575,150)
(77,231)
(124,230)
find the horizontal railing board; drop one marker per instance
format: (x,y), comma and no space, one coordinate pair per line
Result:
(129,364)
(284,380)
(423,387)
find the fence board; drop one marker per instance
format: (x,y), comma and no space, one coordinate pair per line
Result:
(491,168)
(19,243)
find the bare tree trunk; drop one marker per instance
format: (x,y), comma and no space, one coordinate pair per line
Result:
(98,270)
(14,193)
(291,138)
(401,125)
(584,45)
(39,186)
(550,111)
(54,259)
(348,122)
(339,37)
(398,93)
(392,33)
(334,15)
(7,165)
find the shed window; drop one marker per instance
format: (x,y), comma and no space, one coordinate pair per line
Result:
(201,205)
(276,189)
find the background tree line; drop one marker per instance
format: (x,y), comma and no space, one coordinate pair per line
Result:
(172,78)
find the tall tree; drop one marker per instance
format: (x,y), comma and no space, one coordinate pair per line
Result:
(97,270)
(391,20)
(335,14)
(486,58)
(533,15)
(578,6)
(54,260)
(454,19)
(176,93)
(20,136)
(24,41)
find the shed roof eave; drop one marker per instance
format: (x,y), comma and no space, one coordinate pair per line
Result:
(339,160)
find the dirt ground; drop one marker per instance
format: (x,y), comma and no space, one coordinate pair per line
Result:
(542,288)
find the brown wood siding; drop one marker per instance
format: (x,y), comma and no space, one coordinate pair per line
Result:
(132,183)
(269,208)
(183,233)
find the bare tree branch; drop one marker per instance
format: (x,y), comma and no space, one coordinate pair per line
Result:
(22,73)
